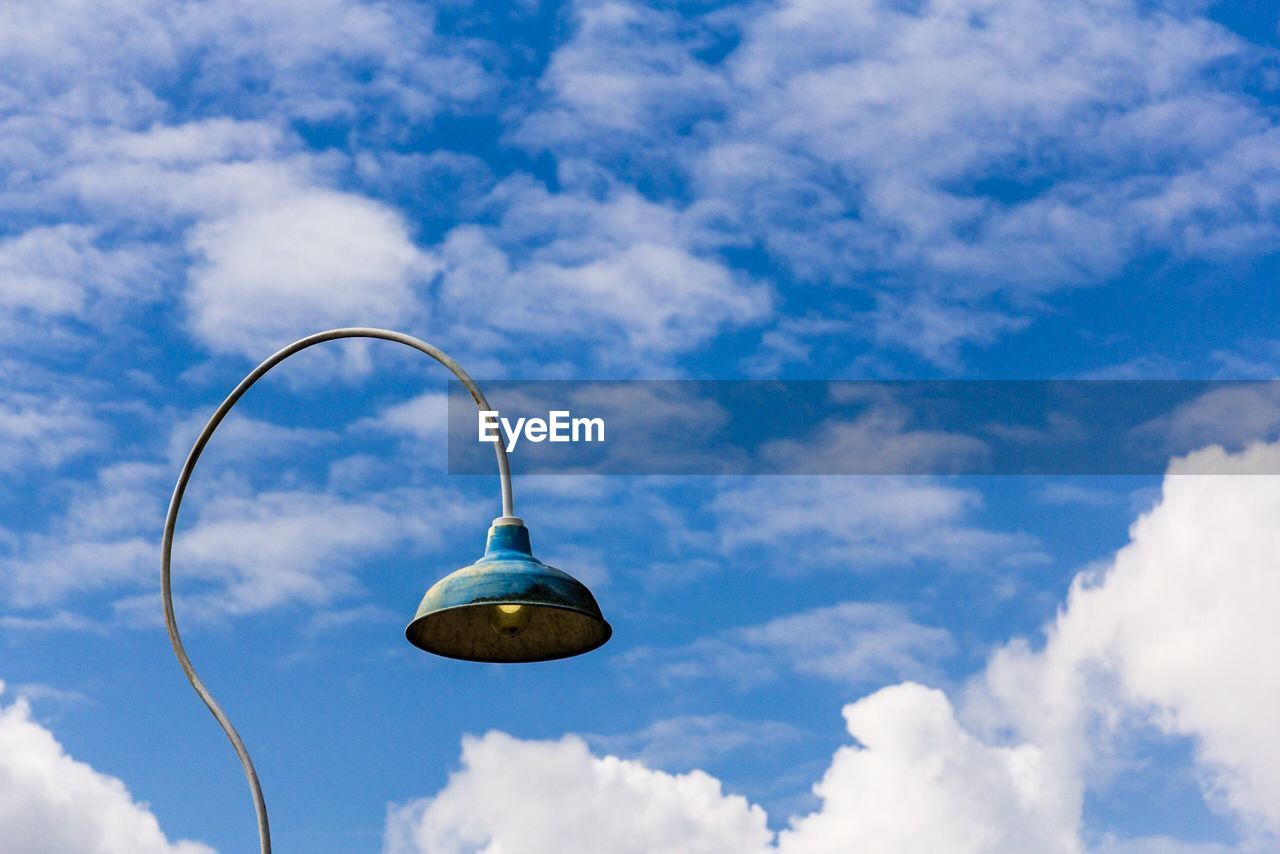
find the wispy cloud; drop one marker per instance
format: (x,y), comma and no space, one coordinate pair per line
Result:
(953,163)
(847,643)
(44,431)
(240,553)
(852,524)
(65,271)
(690,741)
(629,273)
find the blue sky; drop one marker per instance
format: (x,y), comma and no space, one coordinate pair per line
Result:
(976,189)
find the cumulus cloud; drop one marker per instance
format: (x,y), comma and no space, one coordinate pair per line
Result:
(1168,633)
(915,781)
(497,802)
(920,782)
(51,803)
(944,167)
(277,248)
(112,175)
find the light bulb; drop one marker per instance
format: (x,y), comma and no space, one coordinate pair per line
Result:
(509,620)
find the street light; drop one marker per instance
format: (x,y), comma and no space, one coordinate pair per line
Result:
(506,607)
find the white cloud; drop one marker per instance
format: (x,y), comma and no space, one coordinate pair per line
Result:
(955,162)
(332,58)
(58,621)
(278,548)
(851,640)
(236,552)
(52,46)
(908,111)
(936,327)
(1170,633)
(309,261)
(276,252)
(871,152)
(629,69)
(554,797)
(92,136)
(920,782)
(173,174)
(423,421)
(52,804)
(618,271)
(425,418)
(117,61)
(917,782)
(241,439)
(952,164)
(127,124)
(1160,845)
(60,271)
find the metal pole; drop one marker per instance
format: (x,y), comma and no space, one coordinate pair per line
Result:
(171,520)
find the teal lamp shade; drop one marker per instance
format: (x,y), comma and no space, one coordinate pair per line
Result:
(508,607)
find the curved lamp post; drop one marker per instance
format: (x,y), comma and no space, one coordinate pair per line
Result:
(506,607)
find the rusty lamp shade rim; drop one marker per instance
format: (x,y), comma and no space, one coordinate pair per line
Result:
(508,607)
(605,633)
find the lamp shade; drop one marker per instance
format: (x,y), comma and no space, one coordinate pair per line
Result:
(508,607)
